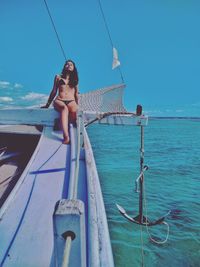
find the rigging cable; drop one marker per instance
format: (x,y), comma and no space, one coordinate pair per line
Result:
(54,27)
(109,35)
(142,246)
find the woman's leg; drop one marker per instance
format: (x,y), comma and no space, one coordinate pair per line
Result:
(73,111)
(64,113)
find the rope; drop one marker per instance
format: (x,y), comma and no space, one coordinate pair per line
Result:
(6,179)
(147,228)
(142,246)
(54,27)
(105,22)
(109,35)
(2,150)
(144,195)
(25,209)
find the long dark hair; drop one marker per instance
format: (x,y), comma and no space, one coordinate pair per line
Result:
(73,75)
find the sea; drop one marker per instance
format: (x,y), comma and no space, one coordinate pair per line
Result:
(172,183)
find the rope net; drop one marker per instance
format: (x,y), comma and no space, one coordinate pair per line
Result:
(109,99)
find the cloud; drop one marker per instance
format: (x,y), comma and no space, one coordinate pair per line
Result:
(18,85)
(8,85)
(34,96)
(6,99)
(4,84)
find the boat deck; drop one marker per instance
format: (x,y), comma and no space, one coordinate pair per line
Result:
(34,205)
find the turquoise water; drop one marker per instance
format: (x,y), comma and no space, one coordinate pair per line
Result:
(172,152)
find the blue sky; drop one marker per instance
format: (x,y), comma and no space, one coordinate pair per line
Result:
(158,44)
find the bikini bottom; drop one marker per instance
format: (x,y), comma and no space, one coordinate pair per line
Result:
(66,101)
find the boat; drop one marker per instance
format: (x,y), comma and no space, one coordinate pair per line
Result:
(54,215)
(52,211)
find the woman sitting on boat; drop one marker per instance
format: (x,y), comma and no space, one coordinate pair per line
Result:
(67,100)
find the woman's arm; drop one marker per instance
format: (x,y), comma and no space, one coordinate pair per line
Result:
(76,94)
(53,92)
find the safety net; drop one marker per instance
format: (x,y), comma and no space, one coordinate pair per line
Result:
(109,99)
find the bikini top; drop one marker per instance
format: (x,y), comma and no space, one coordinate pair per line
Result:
(61,82)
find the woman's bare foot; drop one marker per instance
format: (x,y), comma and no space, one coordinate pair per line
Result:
(66,140)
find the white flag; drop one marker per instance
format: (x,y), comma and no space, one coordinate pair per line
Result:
(116,62)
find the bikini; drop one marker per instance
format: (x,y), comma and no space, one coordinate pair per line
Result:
(62,82)
(66,101)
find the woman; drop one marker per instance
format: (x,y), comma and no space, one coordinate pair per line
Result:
(67,100)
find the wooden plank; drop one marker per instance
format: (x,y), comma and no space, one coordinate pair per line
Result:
(33,116)
(21,129)
(47,117)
